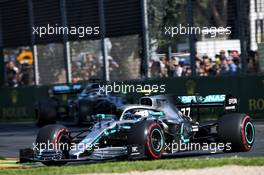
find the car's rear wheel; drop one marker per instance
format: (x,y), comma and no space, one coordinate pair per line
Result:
(54,137)
(84,112)
(46,112)
(150,135)
(103,106)
(238,131)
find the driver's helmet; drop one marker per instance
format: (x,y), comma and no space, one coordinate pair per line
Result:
(143,113)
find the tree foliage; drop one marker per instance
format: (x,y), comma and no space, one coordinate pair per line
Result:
(163,13)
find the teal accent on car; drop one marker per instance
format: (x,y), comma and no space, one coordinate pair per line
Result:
(249,124)
(156,114)
(184,140)
(125,127)
(107,133)
(162,140)
(101,116)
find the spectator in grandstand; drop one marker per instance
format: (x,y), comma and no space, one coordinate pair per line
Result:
(202,70)
(253,62)
(214,70)
(164,67)
(12,74)
(233,62)
(75,72)
(187,72)
(24,59)
(229,54)
(224,68)
(155,68)
(214,66)
(232,67)
(113,64)
(198,62)
(236,60)
(171,66)
(207,64)
(26,74)
(178,69)
(222,55)
(88,67)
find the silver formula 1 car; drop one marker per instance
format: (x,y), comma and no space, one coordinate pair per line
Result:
(145,130)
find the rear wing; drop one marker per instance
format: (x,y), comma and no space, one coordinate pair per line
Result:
(229,102)
(72,88)
(66,89)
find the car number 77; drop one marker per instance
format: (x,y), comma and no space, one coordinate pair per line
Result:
(186,111)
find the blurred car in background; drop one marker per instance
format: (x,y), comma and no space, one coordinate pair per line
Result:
(84,102)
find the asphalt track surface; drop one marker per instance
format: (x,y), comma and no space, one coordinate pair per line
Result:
(14,136)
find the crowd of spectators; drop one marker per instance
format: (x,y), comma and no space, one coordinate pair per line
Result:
(19,72)
(90,67)
(224,63)
(86,68)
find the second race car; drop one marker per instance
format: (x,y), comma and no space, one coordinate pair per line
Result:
(86,101)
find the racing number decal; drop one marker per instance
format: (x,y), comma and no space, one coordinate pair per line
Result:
(186,111)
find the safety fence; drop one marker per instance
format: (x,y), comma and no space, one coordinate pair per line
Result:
(169,39)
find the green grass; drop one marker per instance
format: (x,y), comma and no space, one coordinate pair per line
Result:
(127,166)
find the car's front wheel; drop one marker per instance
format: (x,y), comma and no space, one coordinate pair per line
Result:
(46,112)
(54,137)
(150,135)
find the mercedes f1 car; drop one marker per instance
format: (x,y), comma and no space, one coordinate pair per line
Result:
(86,101)
(144,130)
